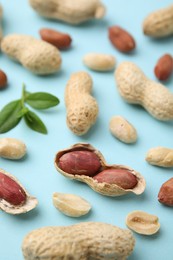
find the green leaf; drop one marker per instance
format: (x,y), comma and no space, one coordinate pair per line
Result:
(9,116)
(41,100)
(34,122)
(22,112)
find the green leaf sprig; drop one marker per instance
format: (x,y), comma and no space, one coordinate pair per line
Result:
(12,113)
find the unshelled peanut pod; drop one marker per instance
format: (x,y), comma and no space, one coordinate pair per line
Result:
(14,199)
(136,88)
(35,55)
(159,23)
(73,12)
(84,163)
(82,108)
(83,241)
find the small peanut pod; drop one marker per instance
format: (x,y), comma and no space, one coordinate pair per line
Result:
(122,129)
(83,241)
(70,204)
(160,156)
(73,12)
(14,199)
(84,163)
(99,62)
(143,223)
(136,88)
(82,108)
(35,55)
(159,23)
(11,148)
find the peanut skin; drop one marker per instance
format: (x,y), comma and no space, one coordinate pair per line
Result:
(83,241)
(80,163)
(165,195)
(35,55)
(121,177)
(73,12)
(159,23)
(136,88)
(82,108)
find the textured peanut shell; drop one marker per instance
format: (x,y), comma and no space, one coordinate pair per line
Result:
(102,188)
(142,222)
(99,61)
(1,31)
(73,12)
(12,148)
(82,108)
(136,88)
(83,241)
(30,203)
(160,156)
(35,55)
(70,204)
(159,23)
(122,129)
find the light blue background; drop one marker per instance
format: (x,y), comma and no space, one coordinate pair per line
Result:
(37,172)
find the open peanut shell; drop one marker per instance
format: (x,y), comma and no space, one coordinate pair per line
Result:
(29,203)
(102,188)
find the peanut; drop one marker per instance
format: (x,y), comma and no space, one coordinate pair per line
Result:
(14,199)
(109,180)
(122,129)
(164,67)
(136,88)
(142,222)
(83,241)
(58,39)
(99,62)
(35,55)
(121,177)
(73,12)
(82,108)
(121,39)
(12,148)
(165,195)
(159,23)
(160,156)
(70,204)
(3,79)
(80,162)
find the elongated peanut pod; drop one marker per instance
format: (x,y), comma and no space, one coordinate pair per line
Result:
(83,241)
(82,108)
(35,55)
(73,12)
(159,23)
(136,88)
(160,156)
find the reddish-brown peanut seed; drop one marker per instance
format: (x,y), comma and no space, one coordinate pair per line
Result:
(80,162)
(3,80)
(164,67)
(11,191)
(121,177)
(165,195)
(121,39)
(58,39)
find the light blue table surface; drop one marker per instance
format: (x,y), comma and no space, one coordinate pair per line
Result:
(37,172)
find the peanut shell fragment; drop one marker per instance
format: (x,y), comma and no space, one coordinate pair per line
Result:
(72,12)
(142,222)
(160,156)
(14,199)
(107,184)
(122,129)
(70,204)
(12,148)
(83,241)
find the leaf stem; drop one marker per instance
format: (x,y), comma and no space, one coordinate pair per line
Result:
(23,96)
